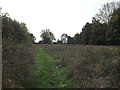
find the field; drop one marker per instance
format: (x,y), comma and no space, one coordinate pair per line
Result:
(48,72)
(84,66)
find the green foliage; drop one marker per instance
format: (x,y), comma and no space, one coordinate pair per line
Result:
(18,53)
(85,34)
(113,34)
(77,39)
(32,38)
(98,34)
(104,29)
(104,15)
(47,36)
(88,66)
(21,69)
(48,72)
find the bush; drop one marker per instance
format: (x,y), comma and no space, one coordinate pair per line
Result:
(18,54)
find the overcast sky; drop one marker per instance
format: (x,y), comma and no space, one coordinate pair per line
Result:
(60,16)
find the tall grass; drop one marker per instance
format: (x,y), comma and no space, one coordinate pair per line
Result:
(48,72)
(88,66)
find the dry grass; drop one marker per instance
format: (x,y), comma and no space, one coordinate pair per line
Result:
(88,66)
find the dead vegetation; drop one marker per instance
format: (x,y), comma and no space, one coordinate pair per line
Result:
(88,66)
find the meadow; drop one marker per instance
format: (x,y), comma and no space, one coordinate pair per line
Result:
(86,66)
(48,73)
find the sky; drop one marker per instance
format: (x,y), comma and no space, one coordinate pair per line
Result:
(60,16)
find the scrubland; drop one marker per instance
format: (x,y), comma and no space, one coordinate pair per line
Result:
(87,66)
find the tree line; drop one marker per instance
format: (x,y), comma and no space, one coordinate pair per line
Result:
(18,54)
(104,29)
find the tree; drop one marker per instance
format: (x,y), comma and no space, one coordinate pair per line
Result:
(98,33)
(32,38)
(47,36)
(77,39)
(113,34)
(104,15)
(86,31)
(18,54)
(64,38)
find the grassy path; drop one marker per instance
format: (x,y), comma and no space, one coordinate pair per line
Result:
(49,73)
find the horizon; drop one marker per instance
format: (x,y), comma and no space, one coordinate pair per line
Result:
(61,16)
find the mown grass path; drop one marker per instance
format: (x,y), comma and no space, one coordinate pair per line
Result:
(49,73)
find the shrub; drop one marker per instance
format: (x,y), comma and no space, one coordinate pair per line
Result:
(18,53)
